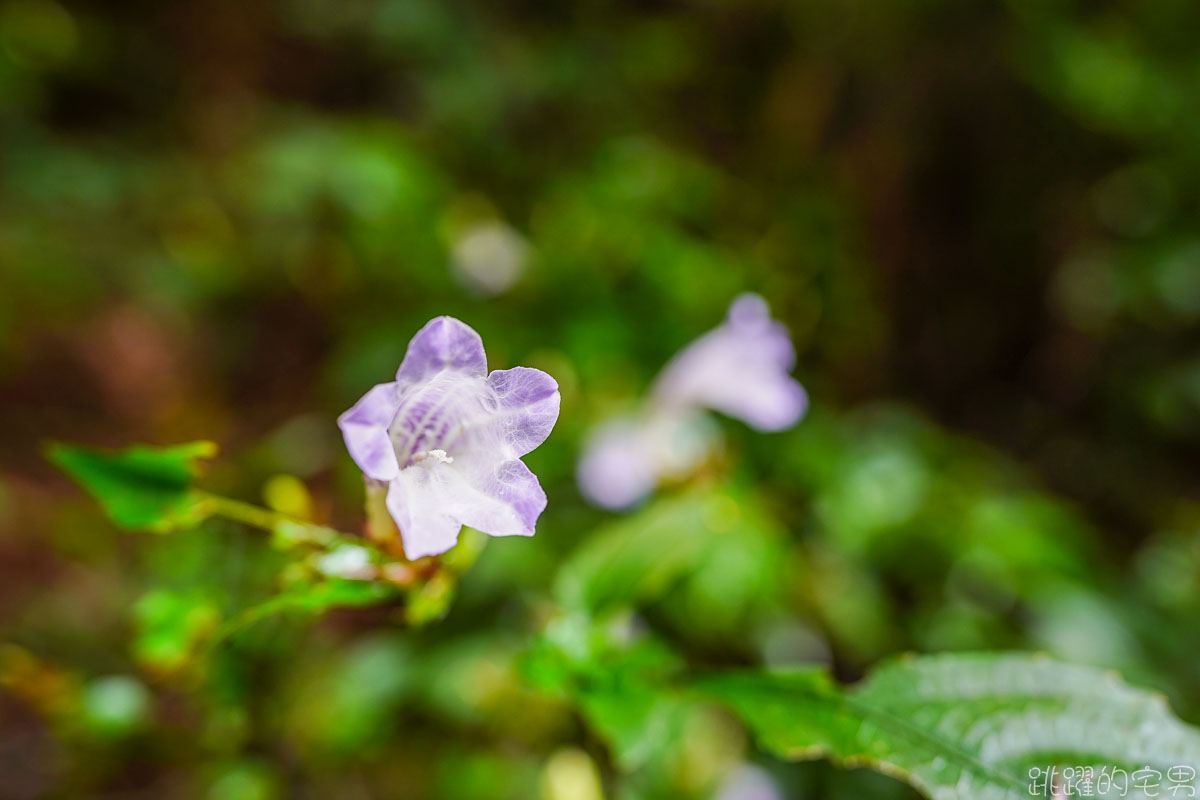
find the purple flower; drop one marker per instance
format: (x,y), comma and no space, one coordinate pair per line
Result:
(447,439)
(741,369)
(749,782)
(626,457)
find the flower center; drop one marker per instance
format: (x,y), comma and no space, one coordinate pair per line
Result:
(433,457)
(431,416)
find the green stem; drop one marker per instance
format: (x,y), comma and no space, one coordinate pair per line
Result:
(288,528)
(288,532)
(245,513)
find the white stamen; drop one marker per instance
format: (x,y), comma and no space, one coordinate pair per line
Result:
(437,455)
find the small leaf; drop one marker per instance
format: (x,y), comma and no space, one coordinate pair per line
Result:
(973,726)
(139,487)
(171,628)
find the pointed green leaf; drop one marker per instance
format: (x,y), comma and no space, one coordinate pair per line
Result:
(139,487)
(975,726)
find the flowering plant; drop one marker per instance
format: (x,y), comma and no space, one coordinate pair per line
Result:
(440,449)
(445,440)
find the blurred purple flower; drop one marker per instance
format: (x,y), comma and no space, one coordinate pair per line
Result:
(749,782)
(625,458)
(741,369)
(446,437)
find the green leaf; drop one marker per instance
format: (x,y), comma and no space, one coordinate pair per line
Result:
(139,487)
(171,628)
(639,718)
(311,598)
(622,681)
(970,726)
(717,547)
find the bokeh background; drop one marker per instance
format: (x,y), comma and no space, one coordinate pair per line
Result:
(224,220)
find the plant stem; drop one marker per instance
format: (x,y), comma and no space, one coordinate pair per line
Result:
(288,532)
(291,529)
(245,513)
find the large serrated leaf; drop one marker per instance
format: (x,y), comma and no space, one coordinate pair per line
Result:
(976,726)
(139,487)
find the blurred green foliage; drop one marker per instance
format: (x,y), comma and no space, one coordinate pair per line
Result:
(225,222)
(139,487)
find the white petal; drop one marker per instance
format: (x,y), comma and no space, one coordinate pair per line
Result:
(431,500)
(425,528)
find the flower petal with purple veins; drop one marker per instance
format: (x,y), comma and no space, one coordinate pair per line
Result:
(528,407)
(447,438)
(433,499)
(503,499)
(432,413)
(443,344)
(365,429)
